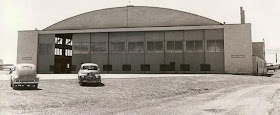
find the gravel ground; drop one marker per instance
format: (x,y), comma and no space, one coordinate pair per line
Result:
(132,95)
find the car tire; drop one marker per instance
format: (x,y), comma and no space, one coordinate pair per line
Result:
(14,86)
(36,86)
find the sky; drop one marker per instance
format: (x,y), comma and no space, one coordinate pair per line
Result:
(16,15)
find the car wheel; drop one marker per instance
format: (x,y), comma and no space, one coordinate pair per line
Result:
(14,86)
(80,82)
(36,86)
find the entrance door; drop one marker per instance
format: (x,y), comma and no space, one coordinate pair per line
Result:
(63,53)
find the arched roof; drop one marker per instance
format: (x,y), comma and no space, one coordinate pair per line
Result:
(132,17)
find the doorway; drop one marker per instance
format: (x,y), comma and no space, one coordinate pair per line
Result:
(63,53)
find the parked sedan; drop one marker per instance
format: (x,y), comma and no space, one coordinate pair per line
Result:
(24,75)
(89,73)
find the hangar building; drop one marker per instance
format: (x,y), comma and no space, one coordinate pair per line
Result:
(139,39)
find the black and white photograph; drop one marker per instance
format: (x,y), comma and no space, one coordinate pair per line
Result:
(139,57)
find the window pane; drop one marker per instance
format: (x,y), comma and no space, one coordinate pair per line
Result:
(117,47)
(189,46)
(81,48)
(150,46)
(211,44)
(136,47)
(154,46)
(219,46)
(98,47)
(178,46)
(198,46)
(170,45)
(158,46)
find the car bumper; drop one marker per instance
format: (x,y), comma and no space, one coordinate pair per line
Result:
(26,83)
(91,79)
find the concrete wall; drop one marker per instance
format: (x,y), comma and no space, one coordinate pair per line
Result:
(27,49)
(238,49)
(46,56)
(258,49)
(259,66)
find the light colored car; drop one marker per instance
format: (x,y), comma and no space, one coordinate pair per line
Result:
(24,75)
(89,73)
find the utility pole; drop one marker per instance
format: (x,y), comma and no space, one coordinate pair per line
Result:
(276,58)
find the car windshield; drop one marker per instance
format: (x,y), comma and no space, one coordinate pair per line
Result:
(89,67)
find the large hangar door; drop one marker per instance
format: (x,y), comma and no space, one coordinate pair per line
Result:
(63,53)
(45,54)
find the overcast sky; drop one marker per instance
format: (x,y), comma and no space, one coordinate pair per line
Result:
(15,15)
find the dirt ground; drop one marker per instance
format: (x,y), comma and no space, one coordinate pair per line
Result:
(198,94)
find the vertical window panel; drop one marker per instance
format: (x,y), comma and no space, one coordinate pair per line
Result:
(154,46)
(174,46)
(117,47)
(189,46)
(220,46)
(211,45)
(136,47)
(198,46)
(99,47)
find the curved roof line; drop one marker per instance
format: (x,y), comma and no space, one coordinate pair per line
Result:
(131,6)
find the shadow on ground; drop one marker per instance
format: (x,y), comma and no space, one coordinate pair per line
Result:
(26,88)
(94,85)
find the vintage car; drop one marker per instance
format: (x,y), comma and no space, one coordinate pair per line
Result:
(89,73)
(24,75)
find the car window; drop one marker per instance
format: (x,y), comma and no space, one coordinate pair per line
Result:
(89,67)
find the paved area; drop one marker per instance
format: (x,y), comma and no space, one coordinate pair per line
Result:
(153,94)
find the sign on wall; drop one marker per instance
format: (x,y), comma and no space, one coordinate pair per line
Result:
(26,58)
(237,56)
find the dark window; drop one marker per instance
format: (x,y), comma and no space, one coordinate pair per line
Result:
(99,47)
(81,48)
(185,67)
(198,46)
(174,46)
(167,67)
(189,46)
(219,45)
(194,46)
(154,46)
(145,67)
(211,45)
(164,67)
(126,67)
(107,67)
(215,45)
(136,47)
(117,47)
(205,67)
